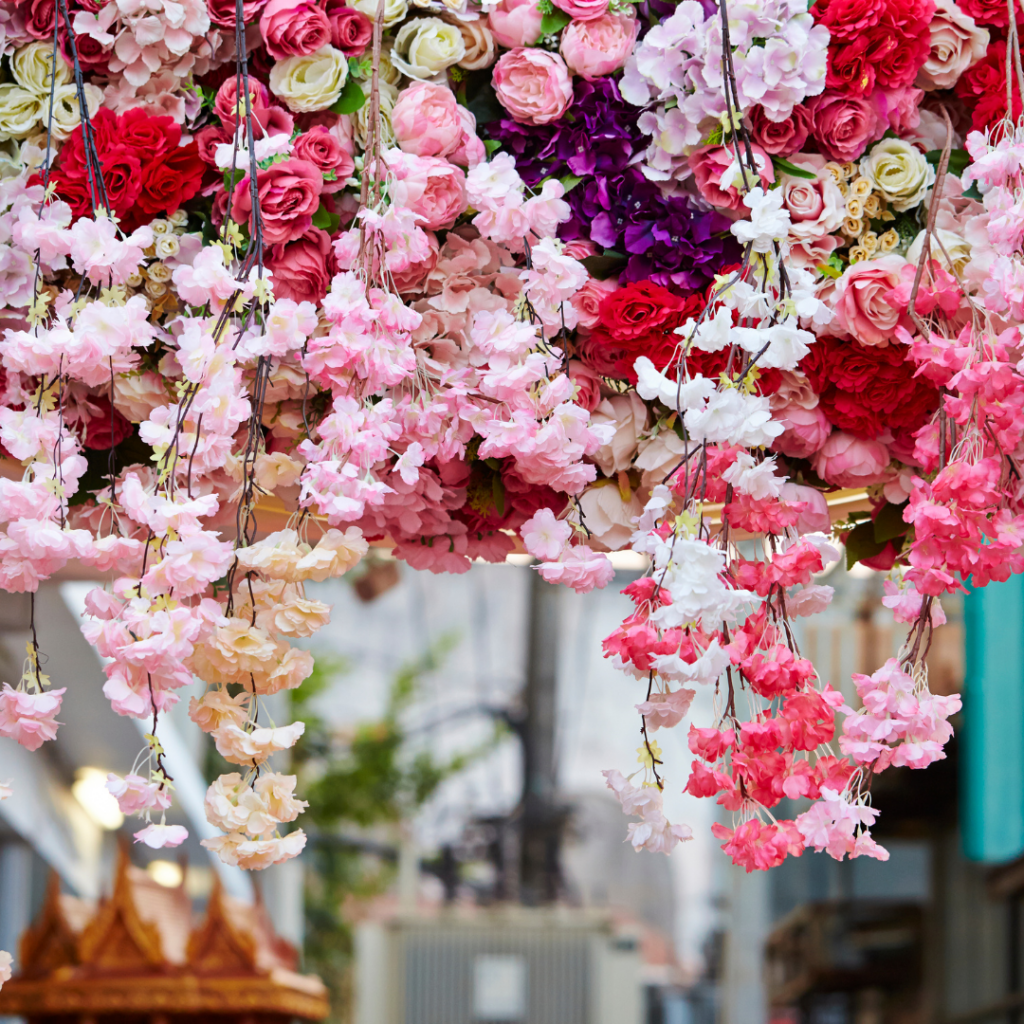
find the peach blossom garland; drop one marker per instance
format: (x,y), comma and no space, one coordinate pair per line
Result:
(263,253)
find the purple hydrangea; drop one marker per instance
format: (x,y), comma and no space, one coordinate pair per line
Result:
(663,238)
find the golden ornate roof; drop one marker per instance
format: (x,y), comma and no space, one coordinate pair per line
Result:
(139,953)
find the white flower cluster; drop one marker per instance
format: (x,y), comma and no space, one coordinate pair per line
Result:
(779,56)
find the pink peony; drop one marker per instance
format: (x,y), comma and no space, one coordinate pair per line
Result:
(432,188)
(843,125)
(806,430)
(815,517)
(847,461)
(860,304)
(294,28)
(534,86)
(898,109)
(29,718)
(515,23)
(426,120)
(583,10)
(711,163)
(600,46)
(289,196)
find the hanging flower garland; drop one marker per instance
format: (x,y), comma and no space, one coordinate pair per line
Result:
(574,276)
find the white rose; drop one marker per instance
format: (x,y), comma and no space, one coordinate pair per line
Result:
(31,67)
(20,111)
(360,119)
(957,43)
(899,171)
(310,83)
(956,246)
(424,47)
(67,114)
(394,10)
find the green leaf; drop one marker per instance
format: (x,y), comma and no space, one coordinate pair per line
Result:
(350,100)
(861,543)
(832,267)
(889,523)
(785,167)
(498,492)
(958,159)
(570,181)
(492,146)
(323,218)
(553,22)
(604,266)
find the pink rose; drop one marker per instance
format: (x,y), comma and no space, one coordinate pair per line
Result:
(289,194)
(222,12)
(814,518)
(860,306)
(208,139)
(426,120)
(600,46)
(303,268)
(816,209)
(711,162)
(806,430)
(266,119)
(588,384)
(583,10)
(780,138)
(515,23)
(534,86)
(843,125)
(432,188)
(293,28)
(847,461)
(351,30)
(321,148)
(580,248)
(587,301)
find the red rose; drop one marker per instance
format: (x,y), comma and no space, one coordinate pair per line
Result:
(107,429)
(92,55)
(351,30)
(847,19)
(293,28)
(289,195)
(990,12)
(72,152)
(849,70)
(303,269)
(122,179)
(72,188)
(222,12)
(169,183)
(39,16)
(638,308)
(638,320)
(780,138)
(983,87)
(842,126)
(150,136)
(321,148)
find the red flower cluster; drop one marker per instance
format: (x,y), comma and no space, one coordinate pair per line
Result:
(146,171)
(875,42)
(983,88)
(638,320)
(867,390)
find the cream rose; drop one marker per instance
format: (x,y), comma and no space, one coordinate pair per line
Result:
(31,68)
(360,119)
(957,43)
(311,83)
(67,114)
(481,51)
(20,111)
(899,171)
(424,47)
(957,247)
(394,10)
(628,415)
